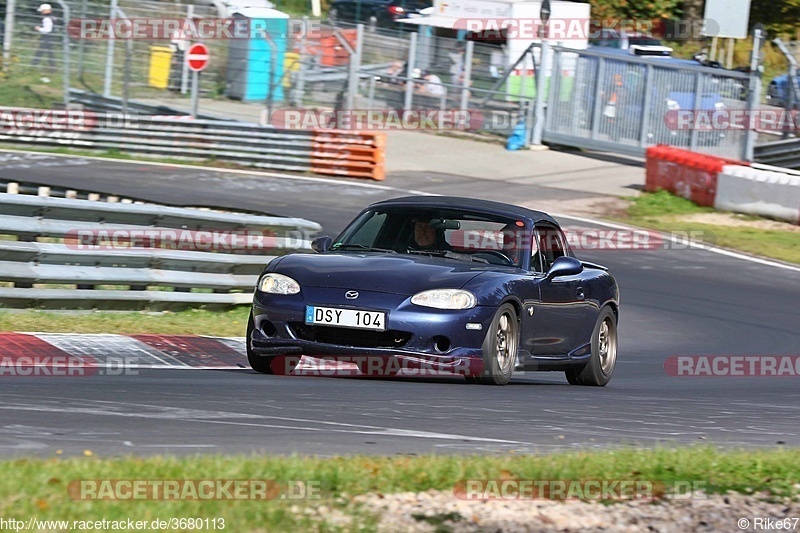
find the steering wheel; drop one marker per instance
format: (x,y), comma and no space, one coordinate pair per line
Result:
(494,256)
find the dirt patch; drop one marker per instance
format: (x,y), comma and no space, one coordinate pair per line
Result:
(739,221)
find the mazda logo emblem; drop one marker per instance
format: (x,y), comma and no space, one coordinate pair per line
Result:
(351,295)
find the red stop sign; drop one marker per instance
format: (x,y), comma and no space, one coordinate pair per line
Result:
(197,57)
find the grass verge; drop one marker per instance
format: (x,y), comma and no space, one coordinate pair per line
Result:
(230,323)
(39,487)
(666,212)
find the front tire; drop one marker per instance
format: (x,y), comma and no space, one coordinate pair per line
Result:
(275,364)
(500,348)
(598,371)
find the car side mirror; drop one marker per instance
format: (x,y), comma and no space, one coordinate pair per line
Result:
(321,244)
(565,266)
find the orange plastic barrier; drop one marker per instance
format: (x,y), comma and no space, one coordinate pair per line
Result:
(353,154)
(685,173)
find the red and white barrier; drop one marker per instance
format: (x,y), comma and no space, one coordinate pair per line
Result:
(724,184)
(758,192)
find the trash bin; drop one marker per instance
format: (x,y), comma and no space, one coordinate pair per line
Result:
(160,61)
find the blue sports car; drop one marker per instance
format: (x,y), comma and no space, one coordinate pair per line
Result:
(446,284)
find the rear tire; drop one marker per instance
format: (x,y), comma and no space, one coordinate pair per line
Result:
(500,348)
(598,371)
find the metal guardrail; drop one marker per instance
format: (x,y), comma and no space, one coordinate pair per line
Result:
(329,152)
(785,153)
(113,272)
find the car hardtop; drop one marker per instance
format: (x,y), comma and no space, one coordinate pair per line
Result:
(486,207)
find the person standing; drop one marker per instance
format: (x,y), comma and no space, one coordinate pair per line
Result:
(46,39)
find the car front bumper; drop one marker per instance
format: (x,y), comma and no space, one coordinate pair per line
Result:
(417,337)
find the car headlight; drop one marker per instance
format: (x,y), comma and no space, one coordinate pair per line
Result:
(273,283)
(445,299)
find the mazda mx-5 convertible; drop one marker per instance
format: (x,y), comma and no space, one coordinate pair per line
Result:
(451,285)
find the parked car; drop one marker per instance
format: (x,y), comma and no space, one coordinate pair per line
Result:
(638,44)
(385,12)
(468,286)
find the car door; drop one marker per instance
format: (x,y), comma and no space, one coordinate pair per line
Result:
(558,320)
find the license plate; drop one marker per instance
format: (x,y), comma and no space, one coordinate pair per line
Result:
(346,318)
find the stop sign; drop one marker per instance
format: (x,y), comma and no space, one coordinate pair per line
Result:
(197,57)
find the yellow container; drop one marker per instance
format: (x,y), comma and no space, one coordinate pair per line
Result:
(160,61)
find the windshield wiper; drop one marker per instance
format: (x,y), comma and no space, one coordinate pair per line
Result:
(362,247)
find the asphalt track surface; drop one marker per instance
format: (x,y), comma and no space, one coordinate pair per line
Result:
(675,301)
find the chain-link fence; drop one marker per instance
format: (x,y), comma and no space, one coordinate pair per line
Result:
(593,98)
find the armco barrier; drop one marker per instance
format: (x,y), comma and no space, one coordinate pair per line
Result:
(759,192)
(685,173)
(116,268)
(327,152)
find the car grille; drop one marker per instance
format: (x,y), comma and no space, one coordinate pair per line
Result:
(358,338)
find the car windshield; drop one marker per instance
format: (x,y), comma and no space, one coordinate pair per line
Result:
(446,233)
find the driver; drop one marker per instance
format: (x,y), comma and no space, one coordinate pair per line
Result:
(426,237)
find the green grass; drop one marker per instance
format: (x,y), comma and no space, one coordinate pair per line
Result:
(38,487)
(663,211)
(190,322)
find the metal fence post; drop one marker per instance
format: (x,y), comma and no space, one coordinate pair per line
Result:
(540,93)
(597,104)
(81,42)
(65,44)
(109,55)
(645,124)
(9,33)
(355,65)
(754,94)
(300,81)
(698,93)
(412,56)
(554,94)
(466,71)
(185,64)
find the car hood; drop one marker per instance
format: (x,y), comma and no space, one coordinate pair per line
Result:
(391,273)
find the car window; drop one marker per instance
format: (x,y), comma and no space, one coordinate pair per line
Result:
(368,232)
(551,245)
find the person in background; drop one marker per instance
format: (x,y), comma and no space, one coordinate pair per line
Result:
(433,85)
(46,39)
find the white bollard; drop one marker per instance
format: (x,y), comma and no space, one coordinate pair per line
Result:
(93,197)
(44,191)
(112,199)
(12,188)
(72,194)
